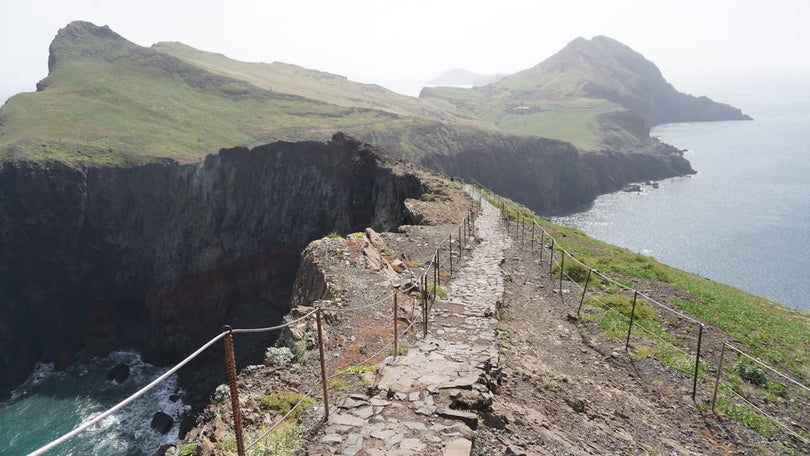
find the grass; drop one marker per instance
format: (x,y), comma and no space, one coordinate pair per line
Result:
(111,102)
(286,438)
(774,333)
(440,291)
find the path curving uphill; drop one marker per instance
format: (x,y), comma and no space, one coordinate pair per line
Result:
(429,401)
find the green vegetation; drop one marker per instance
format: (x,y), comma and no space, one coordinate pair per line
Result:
(778,335)
(110,101)
(623,304)
(440,291)
(286,438)
(774,333)
(187,450)
(283,402)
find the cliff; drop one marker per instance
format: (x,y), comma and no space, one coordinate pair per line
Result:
(159,256)
(108,102)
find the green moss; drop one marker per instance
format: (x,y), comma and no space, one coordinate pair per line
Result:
(283,402)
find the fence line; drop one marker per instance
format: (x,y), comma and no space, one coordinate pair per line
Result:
(434,262)
(520,221)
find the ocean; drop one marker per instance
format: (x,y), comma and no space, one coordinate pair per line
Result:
(744,219)
(51,403)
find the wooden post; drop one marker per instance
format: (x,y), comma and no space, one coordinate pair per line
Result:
(323,365)
(230,363)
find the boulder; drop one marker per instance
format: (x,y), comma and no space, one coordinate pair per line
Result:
(119,373)
(162,422)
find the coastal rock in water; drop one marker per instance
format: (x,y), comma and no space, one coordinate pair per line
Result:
(162,422)
(119,374)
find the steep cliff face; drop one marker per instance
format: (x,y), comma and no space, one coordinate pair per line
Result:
(158,257)
(551,176)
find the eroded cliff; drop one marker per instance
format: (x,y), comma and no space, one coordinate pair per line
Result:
(157,257)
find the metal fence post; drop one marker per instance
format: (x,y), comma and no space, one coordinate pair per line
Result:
(551,257)
(323,365)
(424,306)
(532,236)
(697,361)
(584,290)
(450,255)
(542,244)
(396,330)
(562,269)
(230,363)
(632,317)
(719,374)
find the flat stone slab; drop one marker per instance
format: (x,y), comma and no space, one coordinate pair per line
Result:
(458,447)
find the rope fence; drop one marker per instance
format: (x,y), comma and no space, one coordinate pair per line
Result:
(428,282)
(554,259)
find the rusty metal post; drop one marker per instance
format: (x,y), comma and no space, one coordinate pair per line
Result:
(719,374)
(584,290)
(697,361)
(450,255)
(230,363)
(396,330)
(459,242)
(542,244)
(562,269)
(551,257)
(424,307)
(438,267)
(522,229)
(323,365)
(632,317)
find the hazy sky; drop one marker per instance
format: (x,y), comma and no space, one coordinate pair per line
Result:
(401,44)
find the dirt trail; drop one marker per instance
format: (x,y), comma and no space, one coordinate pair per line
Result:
(569,391)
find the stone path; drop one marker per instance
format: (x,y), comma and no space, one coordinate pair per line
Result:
(426,401)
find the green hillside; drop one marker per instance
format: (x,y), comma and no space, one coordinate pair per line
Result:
(108,100)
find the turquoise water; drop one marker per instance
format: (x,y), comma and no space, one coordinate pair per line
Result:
(744,219)
(52,403)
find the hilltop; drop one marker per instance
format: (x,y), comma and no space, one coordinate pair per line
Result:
(578,117)
(597,94)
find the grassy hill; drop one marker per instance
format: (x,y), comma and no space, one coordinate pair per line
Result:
(107,100)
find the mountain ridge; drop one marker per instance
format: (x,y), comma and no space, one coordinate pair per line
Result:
(108,101)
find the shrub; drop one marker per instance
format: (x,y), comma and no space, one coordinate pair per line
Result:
(752,375)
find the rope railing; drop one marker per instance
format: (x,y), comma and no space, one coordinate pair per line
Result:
(434,263)
(546,241)
(89,423)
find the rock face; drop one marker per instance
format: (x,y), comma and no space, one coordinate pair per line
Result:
(551,176)
(158,257)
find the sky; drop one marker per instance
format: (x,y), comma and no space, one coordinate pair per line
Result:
(700,46)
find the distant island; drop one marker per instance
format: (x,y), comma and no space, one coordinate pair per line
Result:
(463,78)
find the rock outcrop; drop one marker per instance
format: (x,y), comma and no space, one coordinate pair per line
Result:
(158,257)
